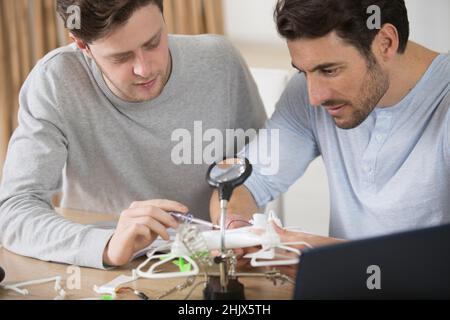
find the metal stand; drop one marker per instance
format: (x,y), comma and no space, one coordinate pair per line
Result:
(226,176)
(233,291)
(223,262)
(222,287)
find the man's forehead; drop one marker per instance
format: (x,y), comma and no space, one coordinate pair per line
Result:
(308,53)
(147,40)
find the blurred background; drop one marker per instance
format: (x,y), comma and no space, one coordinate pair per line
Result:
(30,28)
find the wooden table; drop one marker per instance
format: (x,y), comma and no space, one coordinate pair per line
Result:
(20,269)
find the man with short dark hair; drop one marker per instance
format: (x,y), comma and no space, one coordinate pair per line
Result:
(374,105)
(104,112)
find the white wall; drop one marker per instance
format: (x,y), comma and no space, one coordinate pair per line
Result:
(430,23)
(250,22)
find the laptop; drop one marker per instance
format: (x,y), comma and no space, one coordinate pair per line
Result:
(408,265)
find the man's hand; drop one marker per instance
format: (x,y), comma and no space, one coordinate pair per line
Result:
(311,239)
(138,227)
(287,237)
(241,203)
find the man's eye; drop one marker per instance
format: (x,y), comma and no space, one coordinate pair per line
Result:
(120,59)
(151,46)
(330,72)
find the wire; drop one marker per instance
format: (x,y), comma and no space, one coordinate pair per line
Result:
(193,288)
(138,293)
(237,220)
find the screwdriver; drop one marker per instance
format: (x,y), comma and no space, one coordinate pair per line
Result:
(189,218)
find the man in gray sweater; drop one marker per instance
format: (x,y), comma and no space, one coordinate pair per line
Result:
(97,121)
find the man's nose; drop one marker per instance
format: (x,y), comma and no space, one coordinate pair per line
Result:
(318,92)
(141,66)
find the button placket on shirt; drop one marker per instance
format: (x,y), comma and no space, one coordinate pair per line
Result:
(377,139)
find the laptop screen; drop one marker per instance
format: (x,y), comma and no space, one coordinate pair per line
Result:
(407,265)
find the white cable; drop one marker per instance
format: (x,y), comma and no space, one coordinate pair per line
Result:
(23,292)
(17,286)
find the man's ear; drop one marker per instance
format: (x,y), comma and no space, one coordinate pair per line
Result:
(386,42)
(81,44)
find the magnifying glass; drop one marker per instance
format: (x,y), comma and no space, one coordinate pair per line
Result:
(226,176)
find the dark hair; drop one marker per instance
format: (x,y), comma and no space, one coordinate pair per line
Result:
(312,19)
(98,17)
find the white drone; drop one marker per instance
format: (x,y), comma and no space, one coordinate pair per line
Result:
(193,245)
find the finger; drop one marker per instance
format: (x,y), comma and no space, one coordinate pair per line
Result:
(277,228)
(251,249)
(153,225)
(291,236)
(243,263)
(151,212)
(164,204)
(143,231)
(284,235)
(238,252)
(144,237)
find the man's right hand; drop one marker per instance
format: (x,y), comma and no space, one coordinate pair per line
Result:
(138,227)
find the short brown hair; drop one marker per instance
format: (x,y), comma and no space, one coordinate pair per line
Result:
(98,17)
(312,19)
